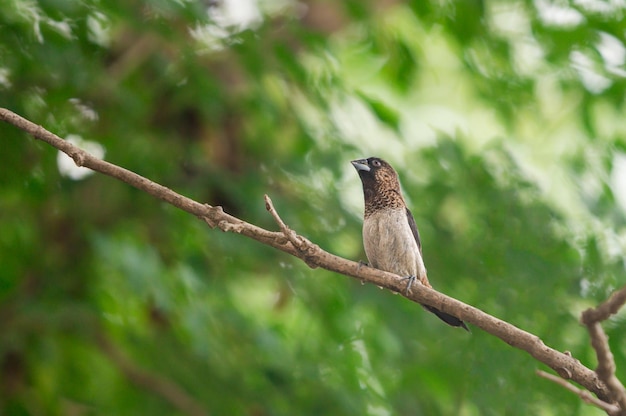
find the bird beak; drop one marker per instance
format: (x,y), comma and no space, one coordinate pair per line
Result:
(361,164)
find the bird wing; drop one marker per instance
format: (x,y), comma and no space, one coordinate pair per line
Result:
(414,230)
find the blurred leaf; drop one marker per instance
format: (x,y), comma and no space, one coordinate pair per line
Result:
(383,112)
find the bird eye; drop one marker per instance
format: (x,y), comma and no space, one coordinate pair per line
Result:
(376,162)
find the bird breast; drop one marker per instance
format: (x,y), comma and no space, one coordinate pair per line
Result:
(390,245)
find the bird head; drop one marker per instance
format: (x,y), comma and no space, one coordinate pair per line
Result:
(375,172)
(381,186)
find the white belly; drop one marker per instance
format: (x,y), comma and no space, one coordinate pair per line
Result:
(390,245)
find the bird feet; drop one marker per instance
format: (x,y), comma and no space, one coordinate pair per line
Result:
(411,280)
(361,264)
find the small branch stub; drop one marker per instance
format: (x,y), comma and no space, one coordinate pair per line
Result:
(289,234)
(306,250)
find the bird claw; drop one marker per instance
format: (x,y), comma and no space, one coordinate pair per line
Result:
(411,280)
(361,264)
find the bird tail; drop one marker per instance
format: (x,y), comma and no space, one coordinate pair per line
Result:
(447,318)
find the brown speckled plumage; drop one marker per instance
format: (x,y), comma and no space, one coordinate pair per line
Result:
(382,190)
(390,236)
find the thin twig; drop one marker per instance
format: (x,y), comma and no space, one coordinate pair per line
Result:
(288,232)
(611,409)
(314,256)
(306,249)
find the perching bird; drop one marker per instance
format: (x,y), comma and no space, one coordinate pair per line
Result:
(390,236)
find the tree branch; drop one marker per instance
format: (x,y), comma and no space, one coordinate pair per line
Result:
(288,241)
(600,343)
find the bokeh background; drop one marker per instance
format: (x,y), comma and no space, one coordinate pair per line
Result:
(505,121)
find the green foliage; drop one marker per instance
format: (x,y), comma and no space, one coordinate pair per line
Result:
(504,122)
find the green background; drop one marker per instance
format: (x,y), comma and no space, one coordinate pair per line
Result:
(505,121)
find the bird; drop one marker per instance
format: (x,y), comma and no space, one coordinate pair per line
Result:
(390,235)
